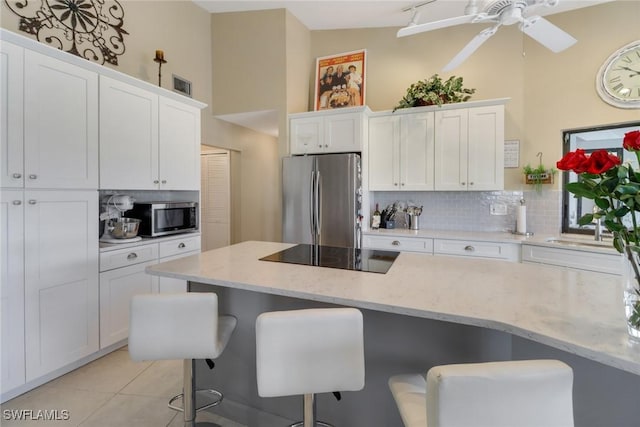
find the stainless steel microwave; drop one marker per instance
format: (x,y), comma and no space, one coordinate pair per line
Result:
(162,218)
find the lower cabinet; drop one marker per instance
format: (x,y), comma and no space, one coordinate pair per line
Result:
(122,275)
(578,259)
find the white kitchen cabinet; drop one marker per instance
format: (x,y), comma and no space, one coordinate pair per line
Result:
(117,286)
(147,141)
(573,258)
(469,149)
(11,115)
(477,249)
(323,132)
(61,278)
(172,250)
(401,152)
(12,289)
(396,243)
(49,122)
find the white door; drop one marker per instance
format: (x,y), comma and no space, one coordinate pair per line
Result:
(12,289)
(116,289)
(128,137)
(384,153)
(451,141)
(486,148)
(11,115)
(60,124)
(417,151)
(179,146)
(61,278)
(215,209)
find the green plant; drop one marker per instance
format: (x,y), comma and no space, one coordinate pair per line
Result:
(538,176)
(435,91)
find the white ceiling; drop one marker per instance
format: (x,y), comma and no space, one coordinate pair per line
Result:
(332,15)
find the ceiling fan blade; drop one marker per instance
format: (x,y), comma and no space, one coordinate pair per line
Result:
(471,47)
(547,34)
(429,26)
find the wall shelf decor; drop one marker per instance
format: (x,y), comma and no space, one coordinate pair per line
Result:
(90,29)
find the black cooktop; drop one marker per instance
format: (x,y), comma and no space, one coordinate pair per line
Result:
(370,260)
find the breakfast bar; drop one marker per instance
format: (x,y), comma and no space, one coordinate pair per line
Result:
(473,310)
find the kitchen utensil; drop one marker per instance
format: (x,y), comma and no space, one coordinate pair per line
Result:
(123,228)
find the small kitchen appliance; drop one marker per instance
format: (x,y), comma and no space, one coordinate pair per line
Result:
(163,218)
(116,227)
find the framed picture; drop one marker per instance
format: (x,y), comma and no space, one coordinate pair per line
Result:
(340,80)
(181,85)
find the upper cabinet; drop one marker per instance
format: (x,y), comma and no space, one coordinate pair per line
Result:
(147,141)
(49,121)
(469,149)
(401,152)
(328,132)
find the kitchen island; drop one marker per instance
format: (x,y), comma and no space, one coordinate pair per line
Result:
(474,309)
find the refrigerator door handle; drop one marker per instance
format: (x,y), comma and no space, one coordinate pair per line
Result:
(318,204)
(312,215)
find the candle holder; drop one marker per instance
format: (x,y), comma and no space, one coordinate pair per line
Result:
(160,60)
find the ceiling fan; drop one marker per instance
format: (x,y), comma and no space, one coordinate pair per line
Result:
(499,12)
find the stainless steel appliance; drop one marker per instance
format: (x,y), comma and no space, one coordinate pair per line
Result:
(322,200)
(114,227)
(162,218)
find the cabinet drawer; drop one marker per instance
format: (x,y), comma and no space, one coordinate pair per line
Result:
(392,243)
(129,256)
(506,251)
(179,246)
(581,260)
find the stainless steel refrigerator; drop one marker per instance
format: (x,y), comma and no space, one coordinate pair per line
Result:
(322,199)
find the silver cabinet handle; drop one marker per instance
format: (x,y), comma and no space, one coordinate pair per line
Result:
(402,184)
(155,181)
(395,243)
(463,183)
(132,255)
(181,246)
(33,176)
(395,183)
(471,183)
(469,248)
(17,175)
(17,202)
(32,202)
(164,181)
(326,145)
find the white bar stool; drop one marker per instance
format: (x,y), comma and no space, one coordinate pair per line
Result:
(525,393)
(303,352)
(180,326)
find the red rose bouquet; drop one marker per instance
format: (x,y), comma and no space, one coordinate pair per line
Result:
(614,188)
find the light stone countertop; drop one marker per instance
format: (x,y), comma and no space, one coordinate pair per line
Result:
(578,312)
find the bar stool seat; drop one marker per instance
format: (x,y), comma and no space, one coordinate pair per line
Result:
(180,326)
(525,393)
(304,352)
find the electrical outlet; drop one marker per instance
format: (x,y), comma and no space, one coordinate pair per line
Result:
(498,209)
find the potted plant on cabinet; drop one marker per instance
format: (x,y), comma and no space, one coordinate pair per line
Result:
(435,91)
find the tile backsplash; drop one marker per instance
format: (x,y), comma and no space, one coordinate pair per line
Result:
(470,210)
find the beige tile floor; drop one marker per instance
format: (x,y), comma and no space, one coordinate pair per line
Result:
(111,391)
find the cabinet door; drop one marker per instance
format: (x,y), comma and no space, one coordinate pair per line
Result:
(343,133)
(179,146)
(61,278)
(384,153)
(11,115)
(486,148)
(168,285)
(60,124)
(451,141)
(307,135)
(12,289)
(116,289)
(128,137)
(416,152)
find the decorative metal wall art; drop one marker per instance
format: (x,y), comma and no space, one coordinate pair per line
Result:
(90,29)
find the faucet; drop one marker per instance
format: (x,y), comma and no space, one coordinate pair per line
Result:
(598,221)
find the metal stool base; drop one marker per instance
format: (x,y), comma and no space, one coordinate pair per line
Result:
(216,393)
(318,424)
